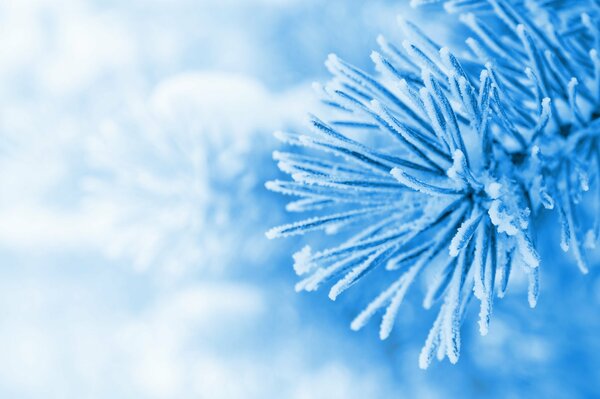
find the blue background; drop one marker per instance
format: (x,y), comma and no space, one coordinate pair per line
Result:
(135,139)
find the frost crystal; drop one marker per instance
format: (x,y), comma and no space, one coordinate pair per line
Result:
(444,162)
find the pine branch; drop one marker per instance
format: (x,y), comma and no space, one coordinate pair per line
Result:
(447,159)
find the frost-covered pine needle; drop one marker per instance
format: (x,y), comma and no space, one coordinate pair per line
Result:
(441,159)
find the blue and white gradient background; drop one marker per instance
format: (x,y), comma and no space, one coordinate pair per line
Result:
(135,138)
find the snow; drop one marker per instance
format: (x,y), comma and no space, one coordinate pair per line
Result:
(502,219)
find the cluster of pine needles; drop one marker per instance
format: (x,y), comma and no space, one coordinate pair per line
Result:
(443,161)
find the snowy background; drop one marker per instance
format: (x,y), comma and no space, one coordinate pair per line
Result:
(135,139)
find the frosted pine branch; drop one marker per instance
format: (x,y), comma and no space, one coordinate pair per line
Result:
(440,159)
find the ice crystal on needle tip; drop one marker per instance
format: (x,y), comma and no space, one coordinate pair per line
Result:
(443,162)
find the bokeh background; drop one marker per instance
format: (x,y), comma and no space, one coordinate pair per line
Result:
(135,139)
